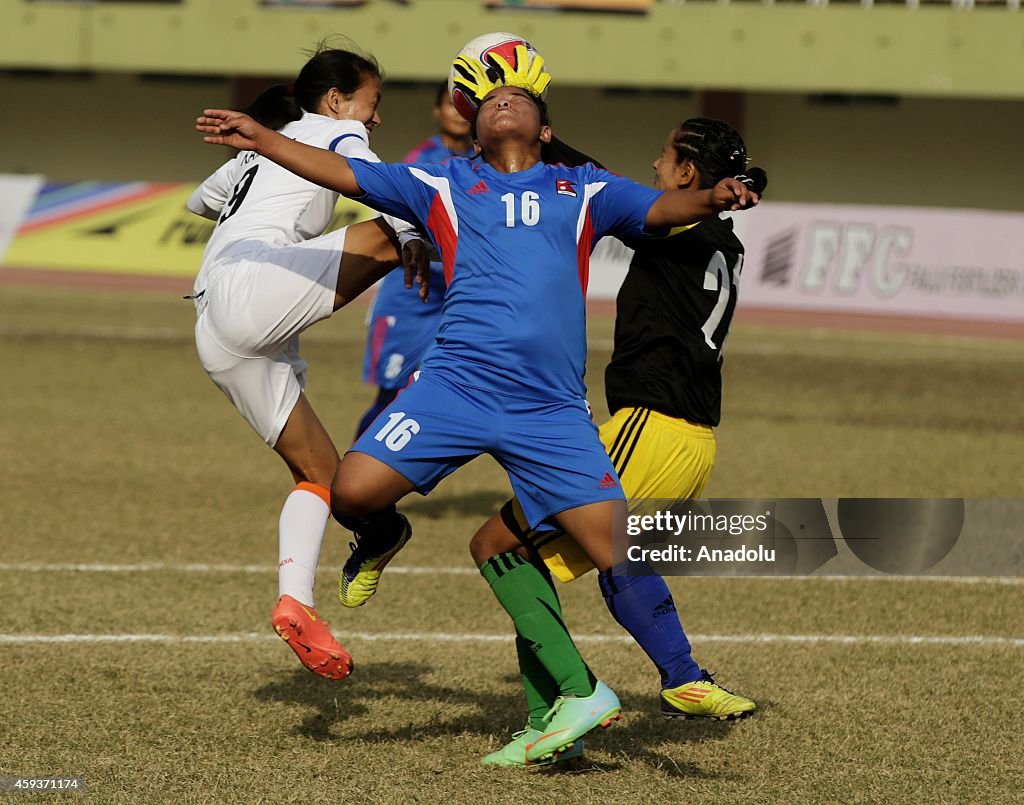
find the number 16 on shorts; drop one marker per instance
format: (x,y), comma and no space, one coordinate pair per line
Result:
(397,431)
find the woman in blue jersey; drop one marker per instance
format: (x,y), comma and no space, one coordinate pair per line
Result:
(403,325)
(506,374)
(664,388)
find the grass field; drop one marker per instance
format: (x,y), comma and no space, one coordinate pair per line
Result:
(120,456)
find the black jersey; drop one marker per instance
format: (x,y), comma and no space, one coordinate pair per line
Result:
(673,313)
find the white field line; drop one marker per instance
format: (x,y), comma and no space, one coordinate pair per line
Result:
(474,637)
(148,567)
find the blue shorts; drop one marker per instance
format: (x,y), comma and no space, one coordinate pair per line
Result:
(402,329)
(550,449)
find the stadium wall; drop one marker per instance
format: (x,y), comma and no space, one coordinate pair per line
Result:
(877,261)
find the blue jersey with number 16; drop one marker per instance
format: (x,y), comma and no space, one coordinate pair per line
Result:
(516,254)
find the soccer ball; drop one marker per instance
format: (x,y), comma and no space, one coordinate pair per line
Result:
(481,48)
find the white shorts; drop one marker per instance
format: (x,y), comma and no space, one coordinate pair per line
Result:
(250,311)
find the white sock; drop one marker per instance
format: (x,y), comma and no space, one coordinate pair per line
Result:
(304,518)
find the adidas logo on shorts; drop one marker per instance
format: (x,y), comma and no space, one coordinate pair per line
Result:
(608,481)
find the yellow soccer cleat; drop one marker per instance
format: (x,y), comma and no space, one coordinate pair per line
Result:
(703,698)
(361,573)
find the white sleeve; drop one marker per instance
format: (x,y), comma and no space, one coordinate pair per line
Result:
(209,198)
(352,141)
(404,230)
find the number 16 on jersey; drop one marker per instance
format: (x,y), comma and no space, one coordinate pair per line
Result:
(528,208)
(397,431)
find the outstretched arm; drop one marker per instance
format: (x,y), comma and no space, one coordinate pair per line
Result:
(681,207)
(317,165)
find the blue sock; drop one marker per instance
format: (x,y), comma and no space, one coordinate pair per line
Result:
(643,606)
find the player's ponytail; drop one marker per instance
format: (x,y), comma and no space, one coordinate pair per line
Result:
(754,178)
(558,153)
(717,151)
(274,107)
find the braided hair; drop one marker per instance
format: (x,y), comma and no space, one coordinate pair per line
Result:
(717,152)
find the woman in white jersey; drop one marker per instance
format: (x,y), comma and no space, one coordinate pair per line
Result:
(267,274)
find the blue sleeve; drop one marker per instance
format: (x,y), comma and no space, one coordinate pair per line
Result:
(390,188)
(620,207)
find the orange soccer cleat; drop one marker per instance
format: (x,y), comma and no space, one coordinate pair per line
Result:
(301,628)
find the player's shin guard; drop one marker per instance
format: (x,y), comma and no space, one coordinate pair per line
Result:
(301,531)
(530,601)
(538,686)
(643,606)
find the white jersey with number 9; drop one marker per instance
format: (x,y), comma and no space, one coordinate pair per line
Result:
(258,203)
(268,271)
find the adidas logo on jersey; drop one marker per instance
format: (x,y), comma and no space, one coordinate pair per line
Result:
(479,187)
(608,481)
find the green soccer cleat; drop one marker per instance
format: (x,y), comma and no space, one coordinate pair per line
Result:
(513,754)
(571,718)
(704,698)
(361,573)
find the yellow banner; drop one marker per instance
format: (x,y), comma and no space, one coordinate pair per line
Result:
(138,228)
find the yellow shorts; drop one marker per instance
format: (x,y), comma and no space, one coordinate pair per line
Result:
(655,456)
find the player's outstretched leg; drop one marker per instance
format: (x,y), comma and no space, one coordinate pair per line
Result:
(643,606)
(312,458)
(308,636)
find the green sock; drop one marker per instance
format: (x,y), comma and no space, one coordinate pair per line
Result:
(540,689)
(530,600)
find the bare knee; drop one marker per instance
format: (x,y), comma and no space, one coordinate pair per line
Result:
(352,496)
(364,486)
(481,547)
(491,539)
